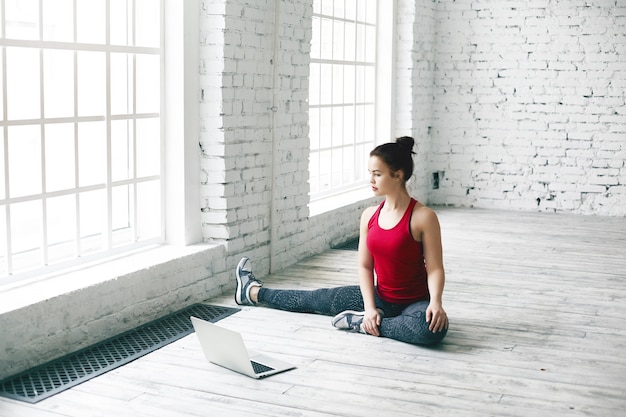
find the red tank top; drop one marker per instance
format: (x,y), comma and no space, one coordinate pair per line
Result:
(398,260)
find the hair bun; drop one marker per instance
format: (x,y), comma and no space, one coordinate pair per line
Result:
(406,143)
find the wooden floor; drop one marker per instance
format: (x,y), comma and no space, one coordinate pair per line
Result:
(537,304)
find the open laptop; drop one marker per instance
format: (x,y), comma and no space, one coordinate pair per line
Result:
(226,348)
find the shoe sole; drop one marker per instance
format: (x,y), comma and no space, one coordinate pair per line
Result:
(240,265)
(341,315)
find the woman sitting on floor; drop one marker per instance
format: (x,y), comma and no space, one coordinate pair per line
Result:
(400,244)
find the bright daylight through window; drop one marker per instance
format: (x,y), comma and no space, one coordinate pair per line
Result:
(80,137)
(342,94)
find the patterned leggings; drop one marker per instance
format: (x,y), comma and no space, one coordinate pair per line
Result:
(406,323)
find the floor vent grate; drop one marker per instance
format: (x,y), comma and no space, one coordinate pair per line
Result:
(53,377)
(352,244)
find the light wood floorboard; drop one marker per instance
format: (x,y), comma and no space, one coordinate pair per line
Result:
(537,304)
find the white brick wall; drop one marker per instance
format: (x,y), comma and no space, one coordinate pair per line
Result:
(529,108)
(415,71)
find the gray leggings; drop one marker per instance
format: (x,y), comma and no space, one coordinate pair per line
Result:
(403,322)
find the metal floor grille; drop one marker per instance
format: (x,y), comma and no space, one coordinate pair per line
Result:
(352,244)
(53,377)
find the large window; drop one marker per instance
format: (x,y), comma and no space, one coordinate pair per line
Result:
(80,130)
(342,101)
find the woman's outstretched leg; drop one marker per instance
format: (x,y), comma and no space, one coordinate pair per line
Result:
(329,301)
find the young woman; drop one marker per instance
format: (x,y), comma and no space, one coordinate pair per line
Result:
(400,264)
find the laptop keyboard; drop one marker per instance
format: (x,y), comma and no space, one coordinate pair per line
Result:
(259,368)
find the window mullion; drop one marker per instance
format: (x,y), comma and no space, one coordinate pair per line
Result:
(109,179)
(133,208)
(42,141)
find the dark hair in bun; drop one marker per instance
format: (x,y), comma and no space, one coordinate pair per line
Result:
(398,155)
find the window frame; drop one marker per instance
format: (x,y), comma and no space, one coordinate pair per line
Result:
(384,109)
(179,172)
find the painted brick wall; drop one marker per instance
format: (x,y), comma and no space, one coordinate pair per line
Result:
(414,81)
(530,108)
(254,133)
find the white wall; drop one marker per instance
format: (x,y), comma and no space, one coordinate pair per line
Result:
(529,109)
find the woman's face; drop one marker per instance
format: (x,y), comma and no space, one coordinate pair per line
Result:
(382,180)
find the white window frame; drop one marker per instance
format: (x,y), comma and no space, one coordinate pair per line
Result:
(321,202)
(179,142)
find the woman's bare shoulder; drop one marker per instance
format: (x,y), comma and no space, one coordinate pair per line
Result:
(424,215)
(368,213)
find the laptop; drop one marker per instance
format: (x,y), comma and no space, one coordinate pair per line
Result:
(226,348)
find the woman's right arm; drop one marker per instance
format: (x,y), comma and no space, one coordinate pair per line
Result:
(372,318)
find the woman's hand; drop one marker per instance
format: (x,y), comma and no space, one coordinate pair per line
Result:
(436,317)
(371,321)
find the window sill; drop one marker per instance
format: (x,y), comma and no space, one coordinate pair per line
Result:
(44,287)
(333,202)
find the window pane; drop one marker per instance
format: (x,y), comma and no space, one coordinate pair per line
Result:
(314,172)
(147,23)
(348,125)
(361,10)
(325,127)
(148,210)
(337,126)
(91,83)
(121,150)
(148,84)
(314,84)
(326,85)
(370,44)
(370,13)
(339,10)
(121,28)
(350,36)
(24,160)
(60,157)
(369,124)
(120,203)
(348,166)
(337,155)
(325,167)
(148,147)
(58,81)
(58,21)
(337,84)
(2,177)
(1,86)
(338,40)
(326,48)
(360,43)
(360,84)
(326,7)
(91,153)
(369,84)
(23,83)
(348,83)
(92,220)
(3,242)
(26,234)
(359,123)
(61,222)
(22,19)
(350,10)
(121,83)
(314,131)
(90,25)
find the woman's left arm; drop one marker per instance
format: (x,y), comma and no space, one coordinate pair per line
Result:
(428,224)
